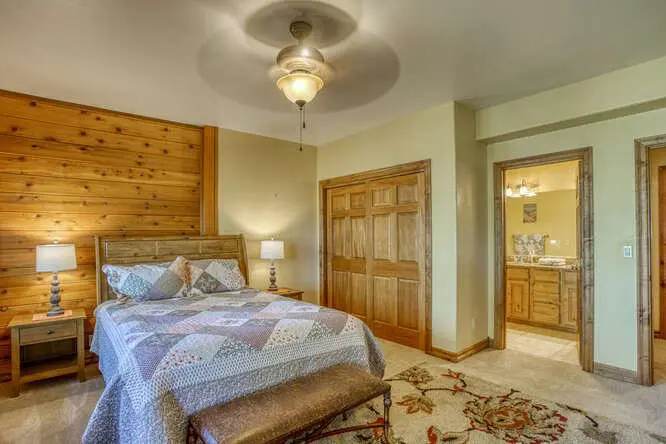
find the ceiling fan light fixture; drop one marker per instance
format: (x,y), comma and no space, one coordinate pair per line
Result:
(300,87)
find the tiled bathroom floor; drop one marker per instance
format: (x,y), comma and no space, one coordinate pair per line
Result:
(542,342)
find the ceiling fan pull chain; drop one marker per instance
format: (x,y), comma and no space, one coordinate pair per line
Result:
(301,114)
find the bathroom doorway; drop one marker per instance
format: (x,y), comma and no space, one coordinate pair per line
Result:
(541,265)
(543,269)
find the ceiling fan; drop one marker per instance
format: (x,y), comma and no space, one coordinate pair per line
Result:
(307,49)
(300,69)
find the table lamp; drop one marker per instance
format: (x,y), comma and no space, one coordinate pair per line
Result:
(54,258)
(272,249)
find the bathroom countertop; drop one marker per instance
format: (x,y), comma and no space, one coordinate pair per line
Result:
(542,266)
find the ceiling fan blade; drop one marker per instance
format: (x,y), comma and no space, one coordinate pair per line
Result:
(331,24)
(365,68)
(241,72)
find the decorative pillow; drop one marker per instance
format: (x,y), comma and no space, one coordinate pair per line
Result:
(215,275)
(149,282)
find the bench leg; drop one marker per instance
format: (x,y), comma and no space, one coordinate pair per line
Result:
(192,435)
(387,407)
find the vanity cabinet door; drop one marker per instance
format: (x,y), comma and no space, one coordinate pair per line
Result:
(569,303)
(518,299)
(546,312)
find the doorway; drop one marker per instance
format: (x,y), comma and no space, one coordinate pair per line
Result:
(545,298)
(542,262)
(375,250)
(651,256)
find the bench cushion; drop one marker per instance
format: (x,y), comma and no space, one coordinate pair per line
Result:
(296,405)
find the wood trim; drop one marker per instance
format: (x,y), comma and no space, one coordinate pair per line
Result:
(644,263)
(542,325)
(612,372)
(499,337)
(396,170)
(662,253)
(428,254)
(643,258)
(585,246)
(209,201)
(462,354)
(365,176)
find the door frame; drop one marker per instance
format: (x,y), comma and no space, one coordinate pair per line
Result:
(585,247)
(644,256)
(421,166)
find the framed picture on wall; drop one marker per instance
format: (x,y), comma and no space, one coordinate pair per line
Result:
(529,213)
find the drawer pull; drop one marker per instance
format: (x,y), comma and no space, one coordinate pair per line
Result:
(50,332)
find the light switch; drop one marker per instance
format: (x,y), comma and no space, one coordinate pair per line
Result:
(627,251)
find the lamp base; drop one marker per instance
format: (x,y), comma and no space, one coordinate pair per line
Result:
(272,279)
(55,310)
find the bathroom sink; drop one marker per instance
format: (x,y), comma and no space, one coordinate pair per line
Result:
(552,261)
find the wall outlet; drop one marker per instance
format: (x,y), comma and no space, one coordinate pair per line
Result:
(473,323)
(627,251)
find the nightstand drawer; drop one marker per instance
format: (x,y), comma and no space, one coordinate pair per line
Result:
(43,333)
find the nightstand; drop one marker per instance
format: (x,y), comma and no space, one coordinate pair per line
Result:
(27,332)
(288,292)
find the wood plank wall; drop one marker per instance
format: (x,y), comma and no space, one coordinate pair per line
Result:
(68,172)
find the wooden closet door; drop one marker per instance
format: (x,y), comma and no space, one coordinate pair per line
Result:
(395,263)
(347,230)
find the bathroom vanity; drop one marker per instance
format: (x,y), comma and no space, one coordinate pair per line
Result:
(542,295)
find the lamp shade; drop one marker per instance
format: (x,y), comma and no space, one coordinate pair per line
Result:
(272,249)
(56,257)
(300,87)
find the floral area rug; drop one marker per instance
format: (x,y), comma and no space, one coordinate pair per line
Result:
(433,404)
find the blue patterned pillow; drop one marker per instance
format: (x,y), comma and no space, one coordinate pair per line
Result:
(216,275)
(149,282)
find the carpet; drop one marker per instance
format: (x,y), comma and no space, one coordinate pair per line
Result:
(433,404)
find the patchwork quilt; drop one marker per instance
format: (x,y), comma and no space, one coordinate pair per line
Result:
(165,360)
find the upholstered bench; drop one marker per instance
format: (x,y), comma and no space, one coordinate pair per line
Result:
(301,409)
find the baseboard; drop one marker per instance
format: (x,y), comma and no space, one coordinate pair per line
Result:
(612,372)
(462,354)
(541,325)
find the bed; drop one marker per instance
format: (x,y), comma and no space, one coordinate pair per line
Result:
(167,359)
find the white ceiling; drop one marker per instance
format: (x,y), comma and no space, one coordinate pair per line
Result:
(207,61)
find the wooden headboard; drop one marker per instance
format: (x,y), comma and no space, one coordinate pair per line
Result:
(141,250)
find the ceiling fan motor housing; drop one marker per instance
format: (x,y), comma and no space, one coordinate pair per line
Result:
(301,57)
(300,29)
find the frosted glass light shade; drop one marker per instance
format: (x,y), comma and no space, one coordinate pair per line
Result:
(272,249)
(300,87)
(56,257)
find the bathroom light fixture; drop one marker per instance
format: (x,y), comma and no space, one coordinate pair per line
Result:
(522,190)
